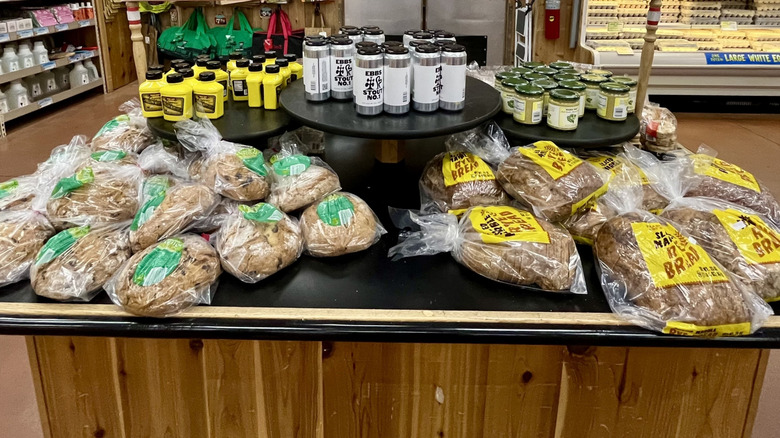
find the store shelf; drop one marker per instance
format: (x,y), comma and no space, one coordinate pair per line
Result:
(59,97)
(46,30)
(23,73)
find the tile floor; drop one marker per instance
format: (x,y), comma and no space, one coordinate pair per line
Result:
(752,142)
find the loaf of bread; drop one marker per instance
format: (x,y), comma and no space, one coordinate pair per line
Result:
(299,180)
(128,132)
(339,224)
(454,181)
(22,234)
(229,174)
(18,193)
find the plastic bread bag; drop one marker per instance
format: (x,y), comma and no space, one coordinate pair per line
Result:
(656,276)
(550,180)
(657,128)
(167,277)
(235,171)
(649,168)
(74,264)
(460,178)
(166,158)
(310,141)
(299,180)
(22,234)
(340,223)
(127,132)
(501,243)
(257,241)
(18,193)
(64,159)
(168,207)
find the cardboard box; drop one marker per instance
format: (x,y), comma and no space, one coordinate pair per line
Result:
(3,27)
(11,24)
(24,24)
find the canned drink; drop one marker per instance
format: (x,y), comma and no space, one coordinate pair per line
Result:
(425,36)
(342,58)
(453,78)
(398,72)
(365,45)
(352,33)
(387,44)
(409,36)
(427,78)
(413,45)
(369,81)
(344,29)
(374,35)
(316,68)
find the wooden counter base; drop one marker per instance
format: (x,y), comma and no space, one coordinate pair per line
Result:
(191,388)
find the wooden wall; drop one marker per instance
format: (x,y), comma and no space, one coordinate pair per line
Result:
(553,50)
(106,387)
(116,47)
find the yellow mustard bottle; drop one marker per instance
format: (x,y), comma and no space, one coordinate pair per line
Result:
(270,58)
(259,59)
(254,83)
(296,69)
(207,94)
(199,67)
(238,80)
(176,98)
(149,91)
(222,76)
(284,70)
(272,87)
(188,75)
(231,65)
(176,63)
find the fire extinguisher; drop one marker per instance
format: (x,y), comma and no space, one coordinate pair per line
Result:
(552,22)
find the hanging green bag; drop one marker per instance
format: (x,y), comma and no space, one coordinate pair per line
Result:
(230,40)
(189,40)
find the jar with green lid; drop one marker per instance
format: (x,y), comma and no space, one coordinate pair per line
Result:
(566,77)
(625,80)
(579,88)
(613,101)
(529,99)
(533,76)
(533,64)
(549,71)
(600,72)
(592,83)
(500,76)
(560,65)
(519,71)
(562,113)
(548,85)
(508,94)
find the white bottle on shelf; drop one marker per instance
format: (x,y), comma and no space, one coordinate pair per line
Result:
(3,103)
(78,75)
(17,95)
(62,76)
(26,58)
(9,59)
(93,71)
(48,83)
(33,84)
(40,54)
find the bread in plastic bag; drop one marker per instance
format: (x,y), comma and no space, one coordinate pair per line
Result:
(167,277)
(117,157)
(656,276)
(458,179)
(168,208)
(340,223)
(169,158)
(550,180)
(64,160)
(75,263)
(658,128)
(18,193)
(257,241)
(299,180)
(501,243)
(127,132)
(235,171)
(22,234)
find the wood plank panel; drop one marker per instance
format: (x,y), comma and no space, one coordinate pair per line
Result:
(116,48)
(558,49)
(231,388)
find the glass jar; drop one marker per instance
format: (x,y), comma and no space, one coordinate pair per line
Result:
(508,95)
(519,71)
(533,76)
(547,85)
(562,113)
(592,83)
(549,71)
(600,72)
(500,76)
(566,77)
(625,80)
(613,101)
(528,104)
(579,88)
(560,65)
(533,64)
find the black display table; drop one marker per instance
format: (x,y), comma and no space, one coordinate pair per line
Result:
(240,124)
(592,131)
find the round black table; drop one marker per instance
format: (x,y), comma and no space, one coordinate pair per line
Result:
(240,124)
(592,131)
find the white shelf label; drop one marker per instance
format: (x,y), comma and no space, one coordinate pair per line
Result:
(4,37)
(728,25)
(24,33)
(41,30)
(48,65)
(46,101)
(60,27)
(85,23)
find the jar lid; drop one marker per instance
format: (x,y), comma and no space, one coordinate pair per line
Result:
(412,31)
(256,66)
(533,64)
(201,62)
(235,56)
(281,62)
(180,65)
(369,51)
(310,41)
(272,68)
(453,48)
(593,79)
(207,76)
(396,50)
(364,44)
(242,63)
(597,71)
(186,72)
(513,82)
(427,48)
(444,34)
(566,77)
(547,84)
(341,41)
(153,75)
(529,90)
(519,71)
(174,78)
(423,36)
(533,76)
(572,85)
(565,95)
(614,87)
(374,31)
(549,71)
(560,65)
(500,76)
(625,80)
(213,65)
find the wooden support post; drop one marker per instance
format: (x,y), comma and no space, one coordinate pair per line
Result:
(139,52)
(390,151)
(648,51)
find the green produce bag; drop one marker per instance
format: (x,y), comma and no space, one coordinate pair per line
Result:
(231,40)
(189,40)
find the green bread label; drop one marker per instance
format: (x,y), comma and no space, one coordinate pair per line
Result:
(154,192)
(159,263)
(59,244)
(294,165)
(113,124)
(261,212)
(253,159)
(336,210)
(71,183)
(108,155)
(8,187)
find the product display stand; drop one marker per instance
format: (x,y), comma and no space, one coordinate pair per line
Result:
(592,131)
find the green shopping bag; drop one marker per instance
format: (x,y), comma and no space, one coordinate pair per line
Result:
(189,40)
(230,40)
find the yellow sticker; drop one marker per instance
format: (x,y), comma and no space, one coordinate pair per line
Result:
(642,176)
(554,160)
(583,240)
(758,243)
(672,259)
(459,212)
(612,164)
(584,202)
(504,224)
(731,173)
(461,167)
(706,331)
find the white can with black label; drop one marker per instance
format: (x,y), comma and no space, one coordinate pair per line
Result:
(398,72)
(369,83)
(453,78)
(427,78)
(316,69)
(342,58)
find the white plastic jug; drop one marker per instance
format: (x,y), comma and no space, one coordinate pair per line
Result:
(78,75)
(93,71)
(17,95)
(62,75)
(49,83)
(33,84)
(26,58)
(40,54)
(3,103)
(10,60)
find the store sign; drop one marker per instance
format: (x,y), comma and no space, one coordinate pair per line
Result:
(728,58)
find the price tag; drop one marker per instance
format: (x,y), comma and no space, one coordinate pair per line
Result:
(48,65)
(24,33)
(85,23)
(624,51)
(41,30)
(45,102)
(4,37)
(614,26)
(728,25)
(60,27)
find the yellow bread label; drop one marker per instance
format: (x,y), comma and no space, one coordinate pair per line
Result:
(672,259)
(554,160)
(756,241)
(584,203)
(506,224)
(614,165)
(731,173)
(461,167)
(706,331)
